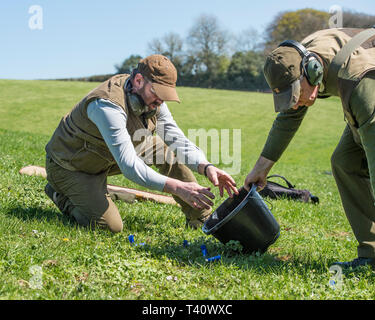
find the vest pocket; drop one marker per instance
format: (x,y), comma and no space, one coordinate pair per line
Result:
(92,159)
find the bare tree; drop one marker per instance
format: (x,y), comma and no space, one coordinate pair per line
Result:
(173,45)
(169,45)
(248,40)
(207,41)
(155,46)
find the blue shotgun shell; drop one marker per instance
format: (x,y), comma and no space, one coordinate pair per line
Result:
(131,238)
(216,258)
(204,250)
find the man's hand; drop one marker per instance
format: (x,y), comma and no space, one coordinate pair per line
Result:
(192,193)
(219,178)
(223,180)
(259,174)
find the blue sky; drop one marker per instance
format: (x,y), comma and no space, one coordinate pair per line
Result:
(82,37)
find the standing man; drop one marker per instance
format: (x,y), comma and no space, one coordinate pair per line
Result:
(297,75)
(109,131)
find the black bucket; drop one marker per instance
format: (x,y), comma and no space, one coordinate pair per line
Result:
(245,218)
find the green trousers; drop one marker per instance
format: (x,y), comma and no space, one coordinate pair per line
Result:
(353,167)
(85,196)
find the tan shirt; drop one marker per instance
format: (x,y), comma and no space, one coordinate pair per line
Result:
(325,43)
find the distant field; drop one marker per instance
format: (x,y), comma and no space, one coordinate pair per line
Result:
(79,264)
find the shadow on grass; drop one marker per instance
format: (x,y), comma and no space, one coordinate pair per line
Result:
(266,263)
(190,255)
(29,214)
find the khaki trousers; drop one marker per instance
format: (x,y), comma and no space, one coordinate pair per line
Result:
(350,170)
(85,196)
(353,167)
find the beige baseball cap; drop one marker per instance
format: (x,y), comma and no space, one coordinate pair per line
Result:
(163,75)
(282,71)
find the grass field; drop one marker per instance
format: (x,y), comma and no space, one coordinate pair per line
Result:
(75,263)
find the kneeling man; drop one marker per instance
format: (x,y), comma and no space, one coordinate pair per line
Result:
(111,131)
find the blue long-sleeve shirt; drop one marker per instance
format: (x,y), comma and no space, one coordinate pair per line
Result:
(111,122)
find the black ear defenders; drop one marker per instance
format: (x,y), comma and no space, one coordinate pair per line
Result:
(136,102)
(310,65)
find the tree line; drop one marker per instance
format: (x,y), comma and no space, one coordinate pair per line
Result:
(211,57)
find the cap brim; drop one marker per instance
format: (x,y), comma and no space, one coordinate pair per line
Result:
(288,98)
(165,93)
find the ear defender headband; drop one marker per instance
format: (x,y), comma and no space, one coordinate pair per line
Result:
(310,65)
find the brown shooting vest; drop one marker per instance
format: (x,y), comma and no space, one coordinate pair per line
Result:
(347,86)
(77,144)
(327,44)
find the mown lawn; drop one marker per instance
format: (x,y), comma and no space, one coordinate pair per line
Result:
(76,263)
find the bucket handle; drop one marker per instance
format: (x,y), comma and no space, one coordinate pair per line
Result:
(254,188)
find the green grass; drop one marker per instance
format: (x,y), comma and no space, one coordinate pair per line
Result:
(80,264)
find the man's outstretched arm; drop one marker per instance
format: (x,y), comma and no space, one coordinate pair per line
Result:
(189,154)
(111,122)
(282,132)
